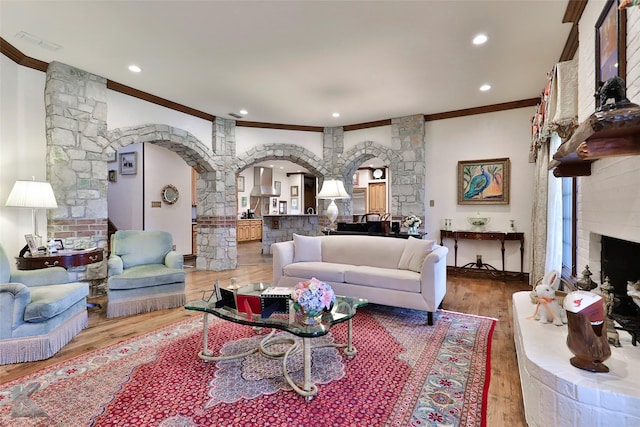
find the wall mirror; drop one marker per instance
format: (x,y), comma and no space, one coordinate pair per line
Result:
(170,194)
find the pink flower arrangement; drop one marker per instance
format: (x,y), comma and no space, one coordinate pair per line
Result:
(313,296)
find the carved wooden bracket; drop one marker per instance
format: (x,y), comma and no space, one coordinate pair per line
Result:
(615,132)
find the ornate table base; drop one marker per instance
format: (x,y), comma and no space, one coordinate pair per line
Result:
(308,389)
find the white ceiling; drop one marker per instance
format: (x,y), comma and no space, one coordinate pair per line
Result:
(297,62)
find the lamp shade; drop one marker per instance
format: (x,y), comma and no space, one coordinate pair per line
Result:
(333,189)
(32,194)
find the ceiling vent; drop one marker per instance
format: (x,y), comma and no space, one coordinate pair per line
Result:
(235,116)
(38,41)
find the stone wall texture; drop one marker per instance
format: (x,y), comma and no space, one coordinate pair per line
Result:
(78,146)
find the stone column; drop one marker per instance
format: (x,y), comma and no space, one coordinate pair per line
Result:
(76,127)
(216,212)
(408,177)
(332,151)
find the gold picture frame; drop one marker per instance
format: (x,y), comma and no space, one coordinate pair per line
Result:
(484,182)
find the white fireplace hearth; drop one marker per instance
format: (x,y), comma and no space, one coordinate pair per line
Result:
(555,393)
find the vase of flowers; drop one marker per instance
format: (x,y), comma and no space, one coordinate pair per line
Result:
(311,298)
(412,222)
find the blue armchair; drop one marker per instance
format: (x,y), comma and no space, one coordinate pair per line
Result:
(145,273)
(40,312)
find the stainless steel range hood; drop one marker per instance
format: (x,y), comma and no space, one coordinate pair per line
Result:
(263,183)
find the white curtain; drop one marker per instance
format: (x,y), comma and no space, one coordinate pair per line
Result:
(538,241)
(560,118)
(553,258)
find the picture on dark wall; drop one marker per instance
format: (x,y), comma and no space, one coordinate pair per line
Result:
(128,163)
(611,52)
(483,182)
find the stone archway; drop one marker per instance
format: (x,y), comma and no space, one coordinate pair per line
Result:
(406,161)
(78,146)
(293,153)
(367,150)
(216,250)
(187,146)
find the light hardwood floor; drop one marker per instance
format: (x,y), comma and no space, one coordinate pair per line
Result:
(466,295)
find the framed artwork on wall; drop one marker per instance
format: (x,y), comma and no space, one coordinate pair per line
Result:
(241,184)
(483,182)
(278,186)
(128,163)
(294,191)
(113,175)
(611,44)
(243,201)
(294,203)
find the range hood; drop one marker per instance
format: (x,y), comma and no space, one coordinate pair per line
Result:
(263,183)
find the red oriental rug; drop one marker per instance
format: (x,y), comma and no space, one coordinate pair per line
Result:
(404,374)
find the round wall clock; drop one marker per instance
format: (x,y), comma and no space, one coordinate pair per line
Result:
(378,173)
(170,194)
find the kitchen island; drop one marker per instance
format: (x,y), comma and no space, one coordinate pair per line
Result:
(280,228)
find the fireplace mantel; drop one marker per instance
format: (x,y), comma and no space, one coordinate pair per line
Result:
(604,134)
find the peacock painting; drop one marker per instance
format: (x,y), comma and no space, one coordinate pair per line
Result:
(483,181)
(477,184)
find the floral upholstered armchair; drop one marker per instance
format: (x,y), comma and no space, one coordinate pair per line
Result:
(40,311)
(145,273)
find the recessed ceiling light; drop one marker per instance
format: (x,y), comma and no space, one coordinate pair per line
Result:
(336,114)
(134,68)
(485,87)
(244,112)
(480,39)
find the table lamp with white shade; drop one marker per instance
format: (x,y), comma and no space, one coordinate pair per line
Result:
(332,189)
(35,195)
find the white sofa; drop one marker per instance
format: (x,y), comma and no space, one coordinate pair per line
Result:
(410,273)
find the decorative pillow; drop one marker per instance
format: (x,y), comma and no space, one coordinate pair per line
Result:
(306,248)
(414,253)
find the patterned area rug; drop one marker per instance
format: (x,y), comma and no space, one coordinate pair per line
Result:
(404,374)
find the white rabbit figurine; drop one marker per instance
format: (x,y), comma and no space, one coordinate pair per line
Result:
(544,295)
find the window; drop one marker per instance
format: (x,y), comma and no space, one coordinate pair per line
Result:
(569,246)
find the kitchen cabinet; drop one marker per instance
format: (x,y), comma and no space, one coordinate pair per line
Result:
(378,198)
(248,230)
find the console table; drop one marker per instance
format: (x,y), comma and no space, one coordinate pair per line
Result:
(62,258)
(364,233)
(484,235)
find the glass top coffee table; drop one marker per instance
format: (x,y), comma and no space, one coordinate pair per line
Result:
(342,311)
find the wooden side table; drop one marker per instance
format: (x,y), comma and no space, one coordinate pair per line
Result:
(63,258)
(67,259)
